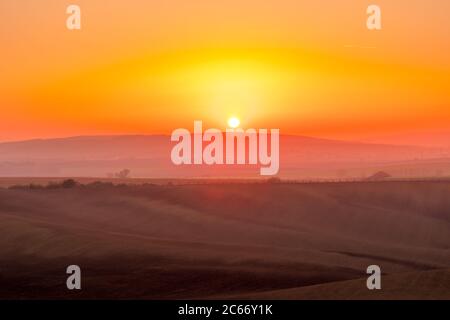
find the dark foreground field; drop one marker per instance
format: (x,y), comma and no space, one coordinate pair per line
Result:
(257,240)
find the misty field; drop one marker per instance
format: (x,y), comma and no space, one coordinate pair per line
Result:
(226,240)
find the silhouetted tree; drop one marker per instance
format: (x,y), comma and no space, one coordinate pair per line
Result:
(123,174)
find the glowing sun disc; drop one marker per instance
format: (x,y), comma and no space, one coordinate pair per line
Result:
(233,122)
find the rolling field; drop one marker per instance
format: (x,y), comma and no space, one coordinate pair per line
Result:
(227,240)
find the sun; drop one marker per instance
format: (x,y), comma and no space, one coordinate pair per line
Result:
(233,122)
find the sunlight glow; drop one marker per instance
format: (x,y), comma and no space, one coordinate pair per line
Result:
(233,122)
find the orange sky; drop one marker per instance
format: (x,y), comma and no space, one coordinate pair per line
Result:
(306,67)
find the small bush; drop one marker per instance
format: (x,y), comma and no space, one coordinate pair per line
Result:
(99,184)
(274,180)
(66,184)
(69,183)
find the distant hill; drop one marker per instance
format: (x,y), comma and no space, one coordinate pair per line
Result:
(380,175)
(149,156)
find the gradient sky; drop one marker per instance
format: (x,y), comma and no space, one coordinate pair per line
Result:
(306,67)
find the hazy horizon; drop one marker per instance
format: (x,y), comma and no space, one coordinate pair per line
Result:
(148,156)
